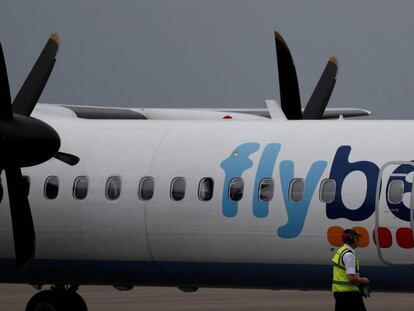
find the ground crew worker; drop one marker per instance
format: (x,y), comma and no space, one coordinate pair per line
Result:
(346,280)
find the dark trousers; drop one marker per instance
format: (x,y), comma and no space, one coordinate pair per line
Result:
(347,301)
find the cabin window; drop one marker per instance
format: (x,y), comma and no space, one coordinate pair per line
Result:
(327,190)
(146,188)
(296,189)
(266,189)
(177,191)
(205,189)
(236,189)
(113,188)
(80,187)
(51,189)
(26,184)
(395,191)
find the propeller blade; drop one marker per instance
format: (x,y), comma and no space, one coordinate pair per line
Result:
(288,81)
(32,88)
(22,222)
(5,101)
(322,92)
(67,158)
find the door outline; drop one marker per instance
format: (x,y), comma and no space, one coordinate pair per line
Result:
(377,206)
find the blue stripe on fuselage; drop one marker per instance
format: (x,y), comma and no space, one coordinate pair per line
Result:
(203,274)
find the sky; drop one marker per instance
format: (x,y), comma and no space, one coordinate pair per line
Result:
(215,53)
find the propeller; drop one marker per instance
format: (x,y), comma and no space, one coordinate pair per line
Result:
(26,141)
(67,158)
(33,86)
(289,86)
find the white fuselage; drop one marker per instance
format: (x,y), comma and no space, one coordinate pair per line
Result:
(159,231)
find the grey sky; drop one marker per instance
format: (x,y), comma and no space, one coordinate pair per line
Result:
(199,53)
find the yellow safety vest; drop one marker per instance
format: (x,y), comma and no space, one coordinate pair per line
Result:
(340,281)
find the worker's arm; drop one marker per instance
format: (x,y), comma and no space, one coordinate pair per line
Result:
(349,262)
(354,279)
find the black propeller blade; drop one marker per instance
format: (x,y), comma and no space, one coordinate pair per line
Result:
(32,88)
(289,87)
(67,158)
(26,141)
(322,92)
(22,222)
(288,81)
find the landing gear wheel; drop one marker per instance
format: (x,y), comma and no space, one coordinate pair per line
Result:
(43,301)
(75,302)
(56,300)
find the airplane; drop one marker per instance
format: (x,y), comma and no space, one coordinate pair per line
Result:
(189,198)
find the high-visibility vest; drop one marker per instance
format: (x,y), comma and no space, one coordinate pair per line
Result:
(340,281)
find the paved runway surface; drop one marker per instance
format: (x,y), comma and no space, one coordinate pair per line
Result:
(15,297)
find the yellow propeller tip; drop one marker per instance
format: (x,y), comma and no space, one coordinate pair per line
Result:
(333,60)
(278,37)
(55,37)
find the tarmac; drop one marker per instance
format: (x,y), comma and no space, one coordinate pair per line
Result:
(102,298)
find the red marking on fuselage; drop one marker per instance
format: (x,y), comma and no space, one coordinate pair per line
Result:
(385,237)
(405,238)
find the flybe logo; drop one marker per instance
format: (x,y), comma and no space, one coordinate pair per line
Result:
(239,161)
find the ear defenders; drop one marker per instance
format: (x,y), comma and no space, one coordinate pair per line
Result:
(349,236)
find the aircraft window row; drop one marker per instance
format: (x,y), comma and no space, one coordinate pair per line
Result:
(113,188)
(296,190)
(146,187)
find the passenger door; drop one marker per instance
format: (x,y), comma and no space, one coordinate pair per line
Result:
(393,232)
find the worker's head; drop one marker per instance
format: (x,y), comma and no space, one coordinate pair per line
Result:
(351,237)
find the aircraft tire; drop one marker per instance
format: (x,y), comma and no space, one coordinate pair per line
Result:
(56,300)
(43,301)
(75,302)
